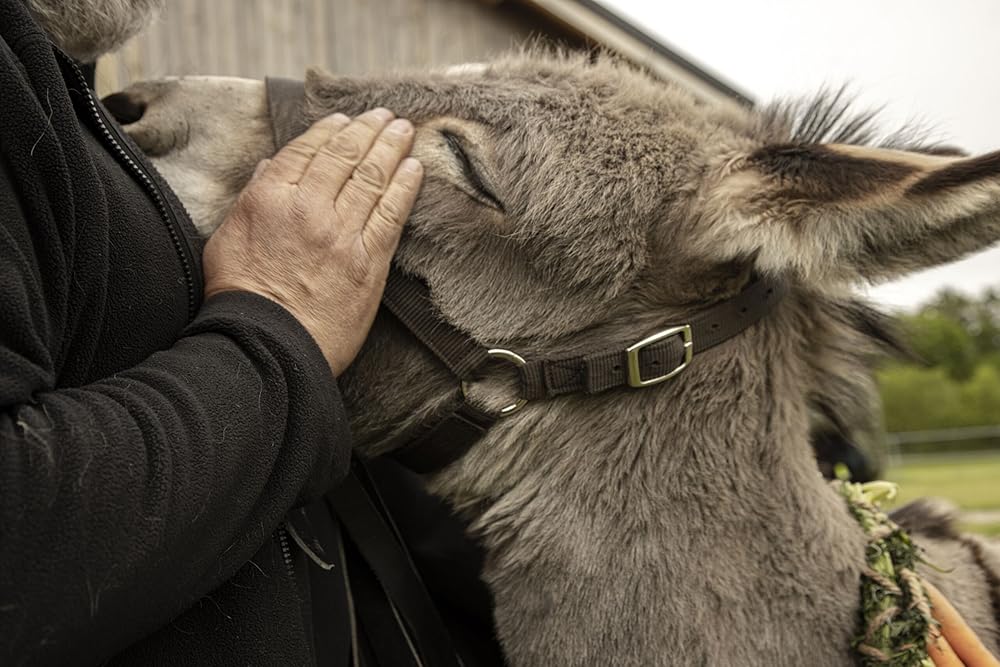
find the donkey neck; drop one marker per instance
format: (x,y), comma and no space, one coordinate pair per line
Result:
(736,419)
(700,499)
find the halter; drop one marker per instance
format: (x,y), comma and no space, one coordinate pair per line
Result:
(639,364)
(648,361)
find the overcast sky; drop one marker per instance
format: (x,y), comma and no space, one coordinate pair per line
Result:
(938,62)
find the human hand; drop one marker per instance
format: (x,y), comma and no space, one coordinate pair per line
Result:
(317,226)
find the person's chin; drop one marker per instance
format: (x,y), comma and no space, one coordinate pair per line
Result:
(87,29)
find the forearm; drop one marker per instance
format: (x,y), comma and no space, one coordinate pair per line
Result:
(123,501)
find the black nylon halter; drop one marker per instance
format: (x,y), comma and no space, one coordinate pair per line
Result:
(644,363)
(654,359)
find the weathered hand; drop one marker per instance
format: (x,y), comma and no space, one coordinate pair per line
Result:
(317,226)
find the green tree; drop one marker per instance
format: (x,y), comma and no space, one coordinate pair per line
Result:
(980,317)
(919,399)
(981,397)
(956,381)
(942,341)
(985,324)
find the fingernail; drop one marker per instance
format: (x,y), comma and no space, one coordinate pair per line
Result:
(400,127)
(340,118)
(382,114)
(411,166)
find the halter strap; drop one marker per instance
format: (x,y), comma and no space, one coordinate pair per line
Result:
(657,357)
(286,104)
(653,359)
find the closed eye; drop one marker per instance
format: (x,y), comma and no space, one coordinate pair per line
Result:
(470,172)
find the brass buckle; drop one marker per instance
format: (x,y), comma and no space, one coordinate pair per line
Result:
(517,360)
(635,375)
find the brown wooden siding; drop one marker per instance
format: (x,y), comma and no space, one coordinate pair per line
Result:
(253,38)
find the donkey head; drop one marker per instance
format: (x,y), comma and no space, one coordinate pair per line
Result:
(570,204)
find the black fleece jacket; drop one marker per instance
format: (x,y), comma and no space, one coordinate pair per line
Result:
(150,444)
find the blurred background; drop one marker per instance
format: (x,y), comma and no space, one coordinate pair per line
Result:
(922,62)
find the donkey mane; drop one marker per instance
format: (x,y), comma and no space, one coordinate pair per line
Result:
(833,115)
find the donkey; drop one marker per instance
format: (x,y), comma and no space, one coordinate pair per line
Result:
(573,204)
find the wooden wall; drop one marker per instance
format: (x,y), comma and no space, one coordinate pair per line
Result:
(254,38)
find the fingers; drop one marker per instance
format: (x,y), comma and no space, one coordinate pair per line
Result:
(385,225)
(291,162)
(371,177)
(337,158)
(358,167)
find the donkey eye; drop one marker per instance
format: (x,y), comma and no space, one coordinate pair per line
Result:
(470,172)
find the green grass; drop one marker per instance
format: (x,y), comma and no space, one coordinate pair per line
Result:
(988,529)
(971,481)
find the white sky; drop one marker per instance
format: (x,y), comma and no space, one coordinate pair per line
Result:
(934,61)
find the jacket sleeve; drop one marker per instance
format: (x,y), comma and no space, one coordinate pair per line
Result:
(124,501)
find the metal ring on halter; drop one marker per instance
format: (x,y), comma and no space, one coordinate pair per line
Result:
(517,360)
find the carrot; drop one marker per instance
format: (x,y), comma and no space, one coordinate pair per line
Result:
(959,635)
(941,652)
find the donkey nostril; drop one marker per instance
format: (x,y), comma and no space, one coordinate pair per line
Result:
(124,107)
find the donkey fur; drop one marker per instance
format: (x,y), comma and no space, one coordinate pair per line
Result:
(682,524)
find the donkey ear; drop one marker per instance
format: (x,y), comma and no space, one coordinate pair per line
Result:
(839,213)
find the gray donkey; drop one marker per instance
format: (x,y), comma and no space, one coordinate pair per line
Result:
(572,205)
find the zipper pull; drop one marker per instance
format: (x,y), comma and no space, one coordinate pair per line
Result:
(303,536)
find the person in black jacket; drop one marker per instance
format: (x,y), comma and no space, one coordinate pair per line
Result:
(159,416)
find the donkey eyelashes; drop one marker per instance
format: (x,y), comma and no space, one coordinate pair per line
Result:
(470,171)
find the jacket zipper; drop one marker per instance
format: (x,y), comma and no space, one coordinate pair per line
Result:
(192,275)
(286,549)
(182,245)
